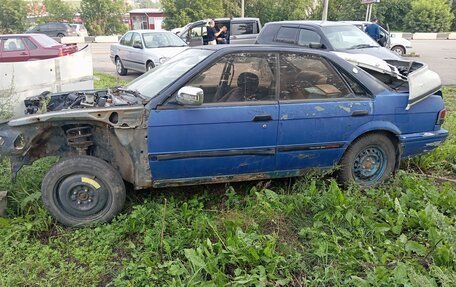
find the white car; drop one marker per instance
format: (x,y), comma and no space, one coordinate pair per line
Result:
(80,29)
(142,50)
(399,45)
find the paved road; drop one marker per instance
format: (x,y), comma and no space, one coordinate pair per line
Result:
(440,55)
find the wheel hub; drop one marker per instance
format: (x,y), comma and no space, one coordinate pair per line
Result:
(369,164)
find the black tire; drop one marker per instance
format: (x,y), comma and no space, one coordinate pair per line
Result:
(83,190)
(120,68)
(60,35)
(149,66)
(398,50)
(368,161)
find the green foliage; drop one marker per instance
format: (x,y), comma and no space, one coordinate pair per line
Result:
(103,17)
(278,10)
(429,16)
(341,10)
(103,80)
(13,16)
(392,12)
(58,11)
(179,13)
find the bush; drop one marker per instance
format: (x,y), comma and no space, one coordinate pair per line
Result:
(429,16)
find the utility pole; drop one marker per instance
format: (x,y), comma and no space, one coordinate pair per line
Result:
(242,8)
(324,17)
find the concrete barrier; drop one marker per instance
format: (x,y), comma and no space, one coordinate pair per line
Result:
(425,36)
(107,39)
(19,80)
(71,40)
(452,36)
(442,36)
(396,34)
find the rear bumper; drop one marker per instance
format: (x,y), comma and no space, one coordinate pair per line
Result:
(419,143)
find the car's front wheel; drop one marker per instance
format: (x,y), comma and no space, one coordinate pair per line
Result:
(149,66)
(368,161)
(120,67)
(83,190)
(399,50)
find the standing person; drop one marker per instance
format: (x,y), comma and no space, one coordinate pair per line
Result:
(212,34)
(373,30)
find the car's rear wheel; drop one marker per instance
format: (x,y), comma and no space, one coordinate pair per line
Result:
(149,66)
(120,68)
(399,50)
(60,35)
(83,190)
(369,161)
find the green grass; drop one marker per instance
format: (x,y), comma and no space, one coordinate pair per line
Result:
(103,80)
(298,232)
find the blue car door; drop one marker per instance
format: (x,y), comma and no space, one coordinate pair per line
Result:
(319,109)
(234,131)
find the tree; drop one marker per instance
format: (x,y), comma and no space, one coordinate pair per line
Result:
(392,12)
(103,17)
(341,10)
(180,12)
(13,16)
(278,10)
(429,16)
(58,11)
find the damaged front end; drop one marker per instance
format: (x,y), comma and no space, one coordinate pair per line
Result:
(107,124)
(403,76)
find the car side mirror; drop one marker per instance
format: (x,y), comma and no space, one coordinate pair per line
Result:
(190,96)
(315,45)
(137,45)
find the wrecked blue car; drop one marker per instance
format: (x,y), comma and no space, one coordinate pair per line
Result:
(222,114)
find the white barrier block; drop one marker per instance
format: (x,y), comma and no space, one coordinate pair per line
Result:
(396,34)
(19,80)
(106,39)
(71,40)
(425,36)
(452,36)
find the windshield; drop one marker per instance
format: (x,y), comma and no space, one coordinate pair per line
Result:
(152,82)
(348,37)
(162,39)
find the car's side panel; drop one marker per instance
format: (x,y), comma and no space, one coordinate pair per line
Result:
(212,141)
(314,134)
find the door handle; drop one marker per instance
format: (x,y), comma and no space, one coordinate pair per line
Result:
(360,113)
(23,54)
(262,118)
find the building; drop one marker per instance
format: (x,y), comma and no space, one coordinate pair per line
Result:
(146,18)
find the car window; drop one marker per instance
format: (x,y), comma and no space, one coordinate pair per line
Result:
(242,28)
(136,39)
(162,39)
(126,39)
(304,77)
(287,35)
(13,44)
(307,36)
(30,44)
(238,77)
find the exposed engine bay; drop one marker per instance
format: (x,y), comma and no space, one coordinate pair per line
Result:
(47,101)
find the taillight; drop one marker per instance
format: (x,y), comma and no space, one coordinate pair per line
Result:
(441,117)
(61,52)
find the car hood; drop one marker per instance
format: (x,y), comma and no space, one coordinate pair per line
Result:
(421,81)
(379,52)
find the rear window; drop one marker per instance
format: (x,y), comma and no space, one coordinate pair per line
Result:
(45,41)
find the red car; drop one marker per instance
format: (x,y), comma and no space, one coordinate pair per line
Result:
(29,47)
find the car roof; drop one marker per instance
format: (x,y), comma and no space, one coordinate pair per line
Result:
(309,22)
(20,35)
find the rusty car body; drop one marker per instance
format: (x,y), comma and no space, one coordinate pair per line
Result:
(219,114)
